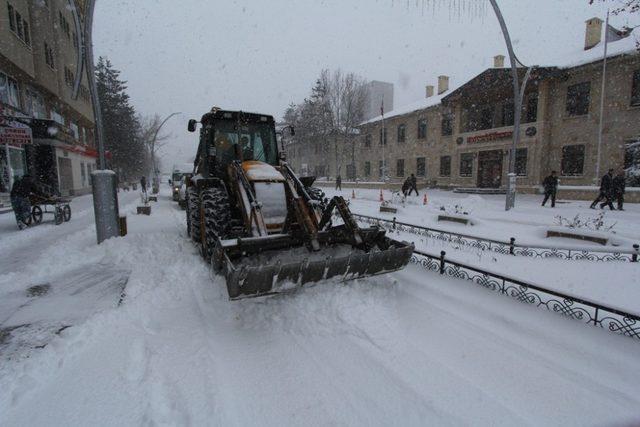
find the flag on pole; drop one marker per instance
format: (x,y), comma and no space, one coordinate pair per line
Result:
(613,34)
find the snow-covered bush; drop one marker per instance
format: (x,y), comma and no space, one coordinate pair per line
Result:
(595,223)
(455,209)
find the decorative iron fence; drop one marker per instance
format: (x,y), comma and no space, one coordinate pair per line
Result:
(579,309)
(502,247)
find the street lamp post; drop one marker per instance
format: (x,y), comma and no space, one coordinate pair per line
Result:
(153,142)
(518,95)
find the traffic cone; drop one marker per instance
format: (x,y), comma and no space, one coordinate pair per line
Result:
(425,200)
(353,194)
(381,196)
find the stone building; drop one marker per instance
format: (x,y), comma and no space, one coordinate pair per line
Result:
(460,138)
(43,129)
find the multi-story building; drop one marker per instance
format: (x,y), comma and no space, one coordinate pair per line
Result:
(461,138)
(43,130)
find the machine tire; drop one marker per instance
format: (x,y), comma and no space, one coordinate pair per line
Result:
(193,215)
(216,216)
(36,214)
(66,213)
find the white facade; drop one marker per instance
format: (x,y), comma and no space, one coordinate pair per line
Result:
(74,172)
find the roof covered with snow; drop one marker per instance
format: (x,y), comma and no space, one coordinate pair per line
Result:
(625,46)
(410,108)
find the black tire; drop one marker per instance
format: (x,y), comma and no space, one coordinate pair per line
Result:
(193,215)
(216,214)
(57,215)
(36,214)
(66,213)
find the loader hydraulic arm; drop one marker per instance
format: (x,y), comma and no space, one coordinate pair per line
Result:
(250,206)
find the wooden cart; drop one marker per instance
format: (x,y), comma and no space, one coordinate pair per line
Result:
(60,208)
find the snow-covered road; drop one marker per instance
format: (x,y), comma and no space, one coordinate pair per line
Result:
(409,348)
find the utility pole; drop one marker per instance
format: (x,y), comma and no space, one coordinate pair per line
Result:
(103,182)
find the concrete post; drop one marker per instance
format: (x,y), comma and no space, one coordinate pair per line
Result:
(105,204)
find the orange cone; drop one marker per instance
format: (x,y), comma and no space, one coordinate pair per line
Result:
(353,194)
(425,200)
(381,196)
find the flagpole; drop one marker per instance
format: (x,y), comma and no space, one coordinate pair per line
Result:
(383,141)
(602,96)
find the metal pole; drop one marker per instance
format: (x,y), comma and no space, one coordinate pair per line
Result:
(383,141)
(602,94)
(517,107)
(91,76)
(153,141)
(103,183)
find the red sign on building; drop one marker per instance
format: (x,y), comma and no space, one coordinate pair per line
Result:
(493,136)
(19,135)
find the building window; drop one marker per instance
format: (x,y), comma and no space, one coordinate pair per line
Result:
(507,114)
(400,167)
(367,140)
(383,136)
(572,160)
(445,166)
(632,163)
(422,128)
(521,162)
(69,77)
(421,167)
(74,39)
(578,99)
(35,104)
(9,91)
(48,55)
(12,17)
(402,133)
(532,108)
(367,169)
(351,171)
(466,164)
(27,35)
(447,124)
(56,117)
(83,173)
(381,168)
(635,89)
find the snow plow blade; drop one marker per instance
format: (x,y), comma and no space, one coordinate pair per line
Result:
(271,272)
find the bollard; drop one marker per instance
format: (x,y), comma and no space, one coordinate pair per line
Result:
(123,225)
(105,204)
(512,245)
(442,254)
(634,257)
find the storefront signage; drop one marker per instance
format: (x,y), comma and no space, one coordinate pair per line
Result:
(493,136)
(15,134)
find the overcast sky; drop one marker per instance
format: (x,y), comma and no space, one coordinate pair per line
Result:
(259,55)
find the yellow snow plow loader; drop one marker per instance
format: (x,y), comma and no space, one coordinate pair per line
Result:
(264,228)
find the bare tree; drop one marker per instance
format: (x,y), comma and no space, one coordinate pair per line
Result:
(623,6)
(152,139)
(331,114)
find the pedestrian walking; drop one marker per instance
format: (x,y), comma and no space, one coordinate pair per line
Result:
(143,184)
(413,185)
(405,187)
(339,182)
(550,185)
(619,184)
(20,192)
(606,192)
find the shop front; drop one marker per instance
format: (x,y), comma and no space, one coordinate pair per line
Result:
(14,138)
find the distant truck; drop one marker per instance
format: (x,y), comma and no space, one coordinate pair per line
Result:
(176,178)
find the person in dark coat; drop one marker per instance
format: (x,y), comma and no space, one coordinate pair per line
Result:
(339,182)
(619,184)
(143,184)
(405,187)
(20,192)
(413,185)
(550,185)
(606,192)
